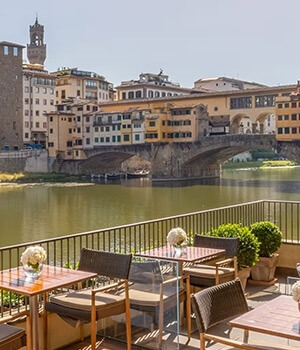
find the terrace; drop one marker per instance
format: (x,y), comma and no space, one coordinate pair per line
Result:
(145,235)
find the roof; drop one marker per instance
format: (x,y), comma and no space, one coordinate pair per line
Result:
(228,79)
(230,93)
(11,44)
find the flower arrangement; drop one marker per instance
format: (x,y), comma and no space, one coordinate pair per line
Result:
(33,256)
(296,291)
(177,236)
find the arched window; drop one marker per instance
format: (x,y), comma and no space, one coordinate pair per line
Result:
(157,94)
(138,94)
(150,93)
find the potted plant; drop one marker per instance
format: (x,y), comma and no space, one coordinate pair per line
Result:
(248,247)
(270,238)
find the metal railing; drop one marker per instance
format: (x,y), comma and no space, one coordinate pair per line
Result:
(65,251)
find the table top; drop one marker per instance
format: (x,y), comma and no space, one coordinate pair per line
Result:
(192,254)
(279,317)
(52,277)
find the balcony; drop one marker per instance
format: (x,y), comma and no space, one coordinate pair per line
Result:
(144,235)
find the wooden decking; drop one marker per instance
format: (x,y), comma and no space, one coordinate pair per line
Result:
(256,296)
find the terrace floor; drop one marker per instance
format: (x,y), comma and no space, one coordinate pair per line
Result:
(256,296)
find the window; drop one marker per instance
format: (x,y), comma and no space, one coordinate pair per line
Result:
(107,128)
(37,113)
(44,90)
(265,101)
(51,102)
(26,89)
(286,130)
(123,95)
(69,143)
(26,124)
(51,119)
(78,130)
(63,93)
(51,131)
(44,102)
(286,117)
(130,94)
(138,94)
(107,139)
(280,117)
(151,123)
(114,139)
(241,102)
(70,131)
(78,93)
(119,138)
(294,104)
(51,91)
(126,137)
(87,140)
(157,94)
(279,105)
(87,129)
(26,135)
(294,130)
(87,119)
(286,105)
(78,118)
(96,139)
(5,50)
(150,93)
(137,137)
(26,112)
(70,120)
(26,101)
(37,101)
(50,144)
(101,139)
(294,116)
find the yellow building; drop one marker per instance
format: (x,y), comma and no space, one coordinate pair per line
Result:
(288,117)
(84,85)
(69,130)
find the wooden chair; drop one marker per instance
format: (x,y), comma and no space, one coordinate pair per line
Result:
(207,275)
(222,303)
(91,304)
(154,295)
(12,337)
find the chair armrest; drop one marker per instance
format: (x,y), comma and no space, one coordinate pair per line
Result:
(108,287)
(174,279)
(226,261)
(9,318)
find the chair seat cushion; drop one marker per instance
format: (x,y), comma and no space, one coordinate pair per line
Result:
(11,337)
(77,305)
(207,271)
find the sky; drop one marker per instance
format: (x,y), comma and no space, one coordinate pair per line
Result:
(254,40)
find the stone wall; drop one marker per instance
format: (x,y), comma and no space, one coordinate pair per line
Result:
(35,161)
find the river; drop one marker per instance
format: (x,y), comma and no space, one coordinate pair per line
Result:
(39,211)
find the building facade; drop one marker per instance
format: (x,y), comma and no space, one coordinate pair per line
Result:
(38,100)
(149,85)
(11,106)
(288,116)
(84,85)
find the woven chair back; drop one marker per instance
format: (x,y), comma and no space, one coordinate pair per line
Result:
(146,272)
(218,303)
(113,265)
(229,244)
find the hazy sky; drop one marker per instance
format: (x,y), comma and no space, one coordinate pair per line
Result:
(255,40)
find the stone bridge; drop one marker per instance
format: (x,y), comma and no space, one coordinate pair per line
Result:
(198,159)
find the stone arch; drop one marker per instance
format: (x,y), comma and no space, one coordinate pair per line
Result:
(262,123)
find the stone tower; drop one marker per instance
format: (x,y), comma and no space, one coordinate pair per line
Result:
(36,50)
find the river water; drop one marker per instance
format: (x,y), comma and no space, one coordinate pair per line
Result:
(32,212)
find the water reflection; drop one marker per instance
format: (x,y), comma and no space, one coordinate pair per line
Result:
(33,212)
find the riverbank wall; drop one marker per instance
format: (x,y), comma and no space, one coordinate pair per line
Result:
(33,161)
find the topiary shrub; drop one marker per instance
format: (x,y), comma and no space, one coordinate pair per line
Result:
(248,243)
(269,236)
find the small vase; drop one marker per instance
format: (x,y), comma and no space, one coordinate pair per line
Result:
(177,251)
(31,271)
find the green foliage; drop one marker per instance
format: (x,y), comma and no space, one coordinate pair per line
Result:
(269,236)
(8,299)
(190,238)
(261,153)
(71,266)
(248,243)
(274,163)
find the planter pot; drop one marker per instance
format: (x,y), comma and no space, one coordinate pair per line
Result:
(264,269)
(243,275)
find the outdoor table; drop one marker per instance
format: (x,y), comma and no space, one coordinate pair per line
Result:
(14,280)
(190,255)
(279,317)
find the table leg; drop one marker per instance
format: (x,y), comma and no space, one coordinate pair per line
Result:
(34,317)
